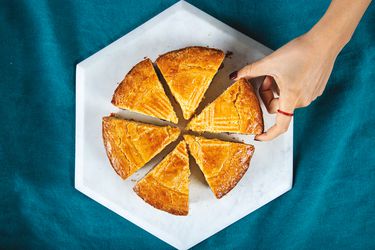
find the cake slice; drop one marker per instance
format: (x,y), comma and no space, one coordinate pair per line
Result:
(237,110)
(142,92)
(223,163)
(188,73)
(166,187)
(130,145)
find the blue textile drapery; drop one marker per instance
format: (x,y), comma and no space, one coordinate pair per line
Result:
(332,203)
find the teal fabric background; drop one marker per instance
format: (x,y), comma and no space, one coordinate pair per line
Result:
(332,203)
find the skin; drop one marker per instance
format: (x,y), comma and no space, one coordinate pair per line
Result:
(298,72)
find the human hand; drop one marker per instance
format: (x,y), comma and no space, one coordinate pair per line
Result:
(297,72)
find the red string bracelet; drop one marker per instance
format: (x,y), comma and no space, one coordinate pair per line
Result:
(284,113)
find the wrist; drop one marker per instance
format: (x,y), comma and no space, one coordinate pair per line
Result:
(327,39)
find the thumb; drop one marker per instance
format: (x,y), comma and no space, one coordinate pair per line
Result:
(252,70)
(283,119)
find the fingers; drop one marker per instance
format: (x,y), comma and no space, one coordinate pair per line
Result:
(249,71)
(266,94)
(280,127)
(273,106)
(282,120)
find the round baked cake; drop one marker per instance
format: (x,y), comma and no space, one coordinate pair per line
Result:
(130,145)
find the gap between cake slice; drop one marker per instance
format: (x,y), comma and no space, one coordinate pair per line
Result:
(142,92)
(130,145)
(166,186)
(236,110)
(223,163)
(188,72)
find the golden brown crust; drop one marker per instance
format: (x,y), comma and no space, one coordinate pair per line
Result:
(142,92)
(188,73)
(237,110)
(222,163)
(166,187)
(130,145)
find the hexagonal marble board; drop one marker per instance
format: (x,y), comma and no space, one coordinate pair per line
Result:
(271,169)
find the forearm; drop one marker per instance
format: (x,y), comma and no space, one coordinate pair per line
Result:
(337,26)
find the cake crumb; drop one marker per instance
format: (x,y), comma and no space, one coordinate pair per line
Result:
(229,54)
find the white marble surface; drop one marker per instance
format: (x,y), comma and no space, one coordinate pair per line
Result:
(271,169)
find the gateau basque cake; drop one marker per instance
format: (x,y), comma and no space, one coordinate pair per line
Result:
(188,73)
(142,92)
(166,187)
(130,145)
(237,110)
(223,163)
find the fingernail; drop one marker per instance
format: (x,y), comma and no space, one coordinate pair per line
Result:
(233,75)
